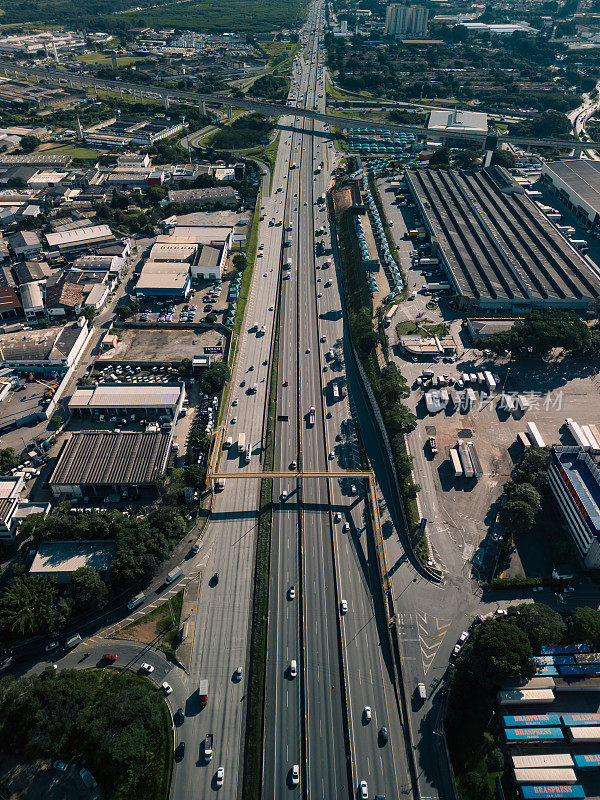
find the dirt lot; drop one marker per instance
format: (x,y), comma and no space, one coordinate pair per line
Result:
(39,781)
(159,346)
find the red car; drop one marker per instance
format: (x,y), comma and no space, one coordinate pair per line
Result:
(286,383)
(110,657)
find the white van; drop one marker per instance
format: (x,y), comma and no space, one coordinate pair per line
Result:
(422,691)
(293,668)
(228,442)
(136,601)
(173,575)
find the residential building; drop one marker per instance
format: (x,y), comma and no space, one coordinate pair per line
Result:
(403,20)
(63,298)
(10,305)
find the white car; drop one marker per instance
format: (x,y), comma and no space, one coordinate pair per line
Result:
(234,402)
(353,489)
(331,455)
(501,612)
(367,714)
(220,777)
(337,517)
(284,494)
(291,593)
(463,637)
(233,420)
(363,790)
(146,668)
(343,606)
(295,775)
(166,688)
(346,527)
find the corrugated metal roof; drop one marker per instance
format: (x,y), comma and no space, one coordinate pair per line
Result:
(106,458)
(78,235)
(126,396)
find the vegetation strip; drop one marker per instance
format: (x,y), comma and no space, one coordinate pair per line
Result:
(253,748)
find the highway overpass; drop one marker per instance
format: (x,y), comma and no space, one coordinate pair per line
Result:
(167,96)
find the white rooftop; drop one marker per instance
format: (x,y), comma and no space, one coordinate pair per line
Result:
(78,235)
(459,121)
(126,396)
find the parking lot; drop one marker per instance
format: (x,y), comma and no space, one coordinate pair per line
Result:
(156,346)
(207,297)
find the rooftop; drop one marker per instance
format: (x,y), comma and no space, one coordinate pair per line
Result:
(79,235)
(69,556)
(582,177)
(107,458)
(126,396)
(459,121)
(576,466)
(39,345)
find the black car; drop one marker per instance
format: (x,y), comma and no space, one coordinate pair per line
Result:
(383,735)
(179,716)
(180,751)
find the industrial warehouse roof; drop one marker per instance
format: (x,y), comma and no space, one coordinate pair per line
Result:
(126,396)
(581,176)
(163,275)
(209,256)
(498,246)
(39,345)
(66,557)
(173,251)
(459,121)
(107,458)
(79,236)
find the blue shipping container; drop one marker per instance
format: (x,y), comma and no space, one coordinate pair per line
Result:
(525,720)
(582,761)
(574,790)
(550,650)
(553,660)
(578,720)
(579,669)
(547,671)
(533,734)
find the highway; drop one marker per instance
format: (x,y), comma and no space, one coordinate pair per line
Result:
(273,109)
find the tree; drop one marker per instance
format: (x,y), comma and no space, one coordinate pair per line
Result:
(466,158)
(29,143)
(585,626)
(517,516)
(440,158)
(215,376)
(541,624)
(498,651)
(8,460)
(88,589)
(155,194)
(504,158)
(25,607)
(528,494)
(533,468)
(240,262)
(55,422)
(89,313)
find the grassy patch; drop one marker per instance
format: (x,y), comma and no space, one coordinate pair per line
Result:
(411,328)
(73,151)
(340,95)
(157,623)
(103,59)
(268,154)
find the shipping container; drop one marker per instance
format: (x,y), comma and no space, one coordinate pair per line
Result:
(555,775)
(587,733)
(587,760)
(456,465)
(465,458)
(594,445)
(533,720)
(517,696)
(523,440)
(579,669)
(577,433)
(542,760)
(534,435)
(532,683)
(491,383)
(571,790)
(519,735)
(548,650)
(553,660)
(546,671)
(578,720)
(587,658)
(428,262)
(475,462)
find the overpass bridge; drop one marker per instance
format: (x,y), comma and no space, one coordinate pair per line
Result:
(168,95)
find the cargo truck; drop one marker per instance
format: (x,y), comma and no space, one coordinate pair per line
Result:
(534,435)
(490,382)
(523,440)
(242,443)
(203,692)
(475,462)
(311,416)
(433,445)
(208,747)
(456,465)
(577,433)
(465,458)
(470,398)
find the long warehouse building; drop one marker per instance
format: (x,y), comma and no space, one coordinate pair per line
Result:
(120,399)
(497,248)
(101,462)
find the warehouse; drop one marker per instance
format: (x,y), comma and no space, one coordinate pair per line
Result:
(48,347)
(498,249)
(457,122)
(59,560)
(105,462)
(576,183)
(80,239)
(164,279)
(126,130)
(575,482)
(126,400)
